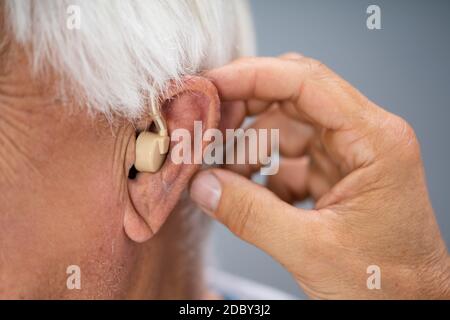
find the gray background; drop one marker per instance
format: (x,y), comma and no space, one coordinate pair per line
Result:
(404,67)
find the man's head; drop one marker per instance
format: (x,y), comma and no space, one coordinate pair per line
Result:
(71,102)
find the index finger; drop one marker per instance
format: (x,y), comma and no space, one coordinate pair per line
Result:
(317,93)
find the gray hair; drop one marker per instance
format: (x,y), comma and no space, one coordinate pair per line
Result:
(123,53)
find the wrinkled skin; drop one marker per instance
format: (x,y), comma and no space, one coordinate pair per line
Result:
(359,162)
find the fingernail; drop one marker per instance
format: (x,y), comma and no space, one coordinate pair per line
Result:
(206,191)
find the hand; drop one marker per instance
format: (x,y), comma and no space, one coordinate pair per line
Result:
(359,162)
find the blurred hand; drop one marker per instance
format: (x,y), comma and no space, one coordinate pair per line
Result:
(359,162)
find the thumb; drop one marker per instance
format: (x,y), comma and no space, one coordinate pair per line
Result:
(252,212)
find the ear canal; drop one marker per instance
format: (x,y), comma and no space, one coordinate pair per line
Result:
(151,150)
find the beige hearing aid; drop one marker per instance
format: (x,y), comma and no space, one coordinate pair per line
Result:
(151,148)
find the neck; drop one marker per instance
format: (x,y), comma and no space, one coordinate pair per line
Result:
(179,251)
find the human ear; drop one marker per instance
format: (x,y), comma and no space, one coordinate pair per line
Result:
(153,196)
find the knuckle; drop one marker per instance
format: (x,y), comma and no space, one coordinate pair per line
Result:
(314,70)
(403,137)
(315,66)
(318,72)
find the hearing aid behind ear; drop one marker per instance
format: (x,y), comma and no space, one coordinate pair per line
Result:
(151,148)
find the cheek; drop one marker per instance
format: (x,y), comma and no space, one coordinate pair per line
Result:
(73,226)
(90,231)
(74,216)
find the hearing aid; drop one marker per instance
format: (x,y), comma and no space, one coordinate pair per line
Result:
(152,148)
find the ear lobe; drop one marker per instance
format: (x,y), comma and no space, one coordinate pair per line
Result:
(153,196)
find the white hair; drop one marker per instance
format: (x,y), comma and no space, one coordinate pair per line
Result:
(125,52)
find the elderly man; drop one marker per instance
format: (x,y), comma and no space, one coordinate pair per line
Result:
(73,94)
